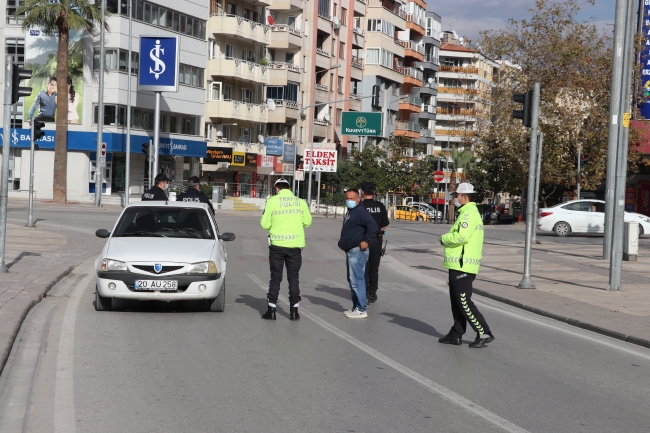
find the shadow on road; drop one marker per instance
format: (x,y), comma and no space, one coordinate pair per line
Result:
(317,300)
(414,324)
(336,291)
(259,305)
(129,305)
(20,256)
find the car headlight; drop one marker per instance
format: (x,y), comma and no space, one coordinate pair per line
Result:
(203,268)
(113,265)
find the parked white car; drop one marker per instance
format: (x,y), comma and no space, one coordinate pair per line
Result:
(582,216)
(428,209)
(165,251)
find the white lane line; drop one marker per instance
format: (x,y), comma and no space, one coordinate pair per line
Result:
(430,282)
(64,410)
(432,386)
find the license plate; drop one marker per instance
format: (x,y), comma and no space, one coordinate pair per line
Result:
(156,285)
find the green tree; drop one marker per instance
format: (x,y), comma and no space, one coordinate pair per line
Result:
(60,18)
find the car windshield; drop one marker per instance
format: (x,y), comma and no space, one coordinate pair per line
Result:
(171,222)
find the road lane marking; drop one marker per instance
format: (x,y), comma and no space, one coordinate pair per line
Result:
(64,410)
(420,278)
(432,386)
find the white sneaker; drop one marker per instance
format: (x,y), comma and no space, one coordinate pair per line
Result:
(356,314)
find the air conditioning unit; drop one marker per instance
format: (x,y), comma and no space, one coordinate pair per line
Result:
(336,23)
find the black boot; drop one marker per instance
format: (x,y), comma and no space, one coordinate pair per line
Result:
(481,342)
(270,314)
(293,313)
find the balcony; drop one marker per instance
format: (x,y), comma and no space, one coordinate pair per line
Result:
(417,24)
(239,69)
(322,93)
(411,103)
(281,72)
(409,129)
(285,111)
(457,90)
(411,75)
(320,128)
(390,7)
(358,37)
(457,112)
(455,132)
(355,105)
(427,133)
(360,7)
(458,69)
(414,50)
(236,110)
(322,58)
(356,71)
(285,5)
(240,27)
(284,37)
(427,112)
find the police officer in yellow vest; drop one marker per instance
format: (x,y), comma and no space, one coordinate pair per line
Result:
(285,217)
(463,251)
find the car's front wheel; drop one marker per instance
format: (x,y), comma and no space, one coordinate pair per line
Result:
(420,218)
(218,304)
(562,229)
(102,303)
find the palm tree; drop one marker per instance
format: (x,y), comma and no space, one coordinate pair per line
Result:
(459,160)
(61,16)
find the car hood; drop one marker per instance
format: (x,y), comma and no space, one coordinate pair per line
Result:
(146,249)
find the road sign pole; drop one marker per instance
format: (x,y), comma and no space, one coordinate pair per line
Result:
(156,136)
(526,281)
(30,214)
(538,180)
(4,180)
(127,169)
(100,109)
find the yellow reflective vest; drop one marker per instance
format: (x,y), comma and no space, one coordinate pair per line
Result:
(464,242)
(284,217)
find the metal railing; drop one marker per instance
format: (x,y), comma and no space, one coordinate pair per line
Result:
(356,63)
(457,111)
(428,108)
(322,52)
(457,90)
(427,133)
(322,87)
(244,190)
(241,20)
(286,103)
(324,15)
(320,122)
(390,7)
(284,65)
(414,46)
(412,72)
(432,59)
(238,62)
(358,31)
(458,69)
(407,126)
(411,99)
(454,132)
(284,28)
(417,20)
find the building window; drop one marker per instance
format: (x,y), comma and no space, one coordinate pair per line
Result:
(160,17)
(324,9)
(12,7)
(246,95)
(190,76)
(344,16)
(173,124)
(227,92)
(245,135)
(189,125)
(339,116)
(341,50)
(213,49)
(215,91)
(275,92)
(375,25)
(116,60)
(340,85)
(16,48)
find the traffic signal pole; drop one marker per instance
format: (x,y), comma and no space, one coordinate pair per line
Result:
(538,181)
(4,182)
(30,213)
(99,171)
(527,281)
(579,177)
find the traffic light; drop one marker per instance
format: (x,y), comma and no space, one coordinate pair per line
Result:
(526,115)
(145,149)
(38,132)
(583,160)
(16,90)
(375,96)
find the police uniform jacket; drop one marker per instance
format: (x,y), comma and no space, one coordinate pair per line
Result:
(378,212)
(464,242)
(285,217)
(154,193)
(194,195)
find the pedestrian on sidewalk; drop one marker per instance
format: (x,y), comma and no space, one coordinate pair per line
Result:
(194,194)
(285,217)
(157,192)
(377,211)
(463,251)
(356,235)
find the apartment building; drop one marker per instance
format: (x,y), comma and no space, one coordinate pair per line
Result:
(428,92)
(465,77)
(181,141)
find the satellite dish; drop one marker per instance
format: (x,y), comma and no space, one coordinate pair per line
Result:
(326,117)
(421,68)
(336,21)
(260,138)
(271,104)
(270,20)
(430,80)
(219,134)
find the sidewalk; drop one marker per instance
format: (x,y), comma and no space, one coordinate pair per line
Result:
(571,285)
(37,258)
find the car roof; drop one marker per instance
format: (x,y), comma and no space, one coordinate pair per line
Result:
(158,203)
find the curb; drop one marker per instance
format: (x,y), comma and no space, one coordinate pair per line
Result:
(587,326)
(5,351)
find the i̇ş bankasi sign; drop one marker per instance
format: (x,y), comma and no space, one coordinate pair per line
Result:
(359,123)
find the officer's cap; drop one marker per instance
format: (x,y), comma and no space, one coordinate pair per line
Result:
(193,181)
(162,177)
(367,186)
(464,188)
(281,181)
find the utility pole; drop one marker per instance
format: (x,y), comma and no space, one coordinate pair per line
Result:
(4,179)
(538,180)
(526,281)
(616,258)
(99,171)
(579,178)
(620,25)
(127,169)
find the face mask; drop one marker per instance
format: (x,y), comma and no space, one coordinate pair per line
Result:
(166,186)
(457,203)
(351,204)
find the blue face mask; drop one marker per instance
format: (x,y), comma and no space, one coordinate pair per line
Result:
(351,204)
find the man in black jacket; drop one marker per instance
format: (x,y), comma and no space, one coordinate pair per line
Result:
(356,234)
(193,193)
(377,211)
(157,192)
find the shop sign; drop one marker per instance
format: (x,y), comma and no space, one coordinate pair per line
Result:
(265,161)
(216,155)
(321,160)
(274,146)
(239,159)
(289,152)
(251,159)
(362,124)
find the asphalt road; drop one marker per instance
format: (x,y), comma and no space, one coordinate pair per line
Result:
(167,367)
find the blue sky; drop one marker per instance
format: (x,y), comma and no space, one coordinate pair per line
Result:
(468,17)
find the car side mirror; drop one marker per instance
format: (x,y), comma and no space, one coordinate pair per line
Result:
(227,237)
(102,233)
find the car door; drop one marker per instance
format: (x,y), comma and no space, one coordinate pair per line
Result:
(596,223)
(577,218)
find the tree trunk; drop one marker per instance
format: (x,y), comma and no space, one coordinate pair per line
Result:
(452,188)
(60,183)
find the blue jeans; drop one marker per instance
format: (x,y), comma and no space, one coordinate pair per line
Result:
(356,262)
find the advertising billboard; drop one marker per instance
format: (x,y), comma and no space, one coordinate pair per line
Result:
(41,59)
(644,101)
(362,124)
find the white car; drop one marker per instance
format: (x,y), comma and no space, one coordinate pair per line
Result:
(428,209)
(163,251)
(582,216)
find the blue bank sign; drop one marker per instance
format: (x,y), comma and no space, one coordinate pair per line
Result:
(274,146)
(289,152)
(158,68)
